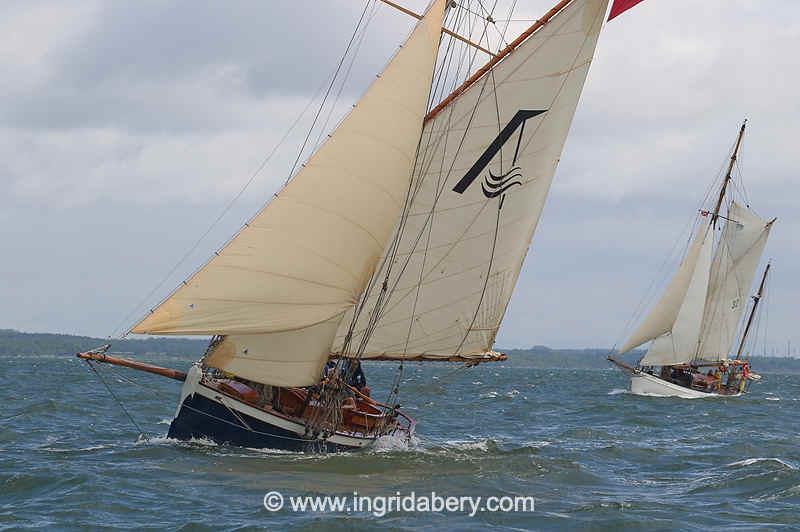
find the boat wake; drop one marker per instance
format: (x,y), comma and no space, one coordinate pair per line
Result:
(618,391)
(390,443)
(164,440)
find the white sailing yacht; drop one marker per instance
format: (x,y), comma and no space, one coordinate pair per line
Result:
(400,239)
(696,323)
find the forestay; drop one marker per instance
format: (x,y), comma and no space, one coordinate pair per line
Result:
(281,286)
(485,167)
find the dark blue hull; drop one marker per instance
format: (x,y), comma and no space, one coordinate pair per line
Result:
(200,417)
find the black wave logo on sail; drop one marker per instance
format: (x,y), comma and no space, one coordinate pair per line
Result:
(496,185)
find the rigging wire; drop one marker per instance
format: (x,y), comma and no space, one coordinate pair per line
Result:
(388,262)
(346,76)
(117,399)
(508,22)
(130,380)
(213,224)
(379,304)
(722,274)
(438,193)
(766,300)
(355,35)
(496,227)
(229,205)
(330,87)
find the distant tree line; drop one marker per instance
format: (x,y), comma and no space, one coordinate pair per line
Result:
(544,357)
(15,343)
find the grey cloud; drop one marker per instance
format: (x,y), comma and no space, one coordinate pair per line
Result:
(128,135)
(184,66)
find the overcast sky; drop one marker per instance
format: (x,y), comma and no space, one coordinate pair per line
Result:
(126,127)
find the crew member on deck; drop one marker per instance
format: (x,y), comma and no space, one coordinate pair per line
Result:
(355,375)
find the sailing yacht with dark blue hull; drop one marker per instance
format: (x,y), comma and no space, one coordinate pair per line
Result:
(400,239)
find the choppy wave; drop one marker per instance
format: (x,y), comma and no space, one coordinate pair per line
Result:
(592,455)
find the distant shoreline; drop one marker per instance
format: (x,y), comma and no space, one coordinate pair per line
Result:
(16,343)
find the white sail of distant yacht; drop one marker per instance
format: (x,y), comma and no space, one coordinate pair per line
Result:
(699,315)
(401,238)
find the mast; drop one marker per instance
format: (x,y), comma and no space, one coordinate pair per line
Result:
(756,299)
(728,175)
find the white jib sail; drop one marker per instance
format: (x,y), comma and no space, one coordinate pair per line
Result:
(681,343)
(663,314)
(738,255)
(497,144)
(280,287)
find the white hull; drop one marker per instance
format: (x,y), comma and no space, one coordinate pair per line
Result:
(650,385)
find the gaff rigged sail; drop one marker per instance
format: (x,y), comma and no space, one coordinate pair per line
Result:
(487,158)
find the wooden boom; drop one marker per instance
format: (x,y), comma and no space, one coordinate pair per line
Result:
(469,361)
(98,355)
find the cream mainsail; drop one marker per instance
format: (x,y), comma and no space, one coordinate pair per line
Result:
(486,163)
(279,289)
(699,314)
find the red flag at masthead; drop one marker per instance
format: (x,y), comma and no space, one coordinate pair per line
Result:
(621,6)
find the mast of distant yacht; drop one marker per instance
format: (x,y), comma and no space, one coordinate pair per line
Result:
(756,299)
(728,175)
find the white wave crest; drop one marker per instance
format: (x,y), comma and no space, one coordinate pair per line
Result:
(469,445)
(164,440)
(751,461)
(393,442)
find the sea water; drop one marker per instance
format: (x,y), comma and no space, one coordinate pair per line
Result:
(588,453)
